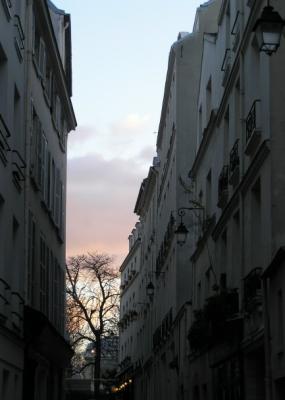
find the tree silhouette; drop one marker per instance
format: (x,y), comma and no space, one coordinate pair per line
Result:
(92,304)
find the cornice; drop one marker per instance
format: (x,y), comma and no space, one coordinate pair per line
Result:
(145,191)
(48,31)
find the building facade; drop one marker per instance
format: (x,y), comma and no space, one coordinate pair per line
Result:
(213,326)
(36,115)
(156,363)
(237,181)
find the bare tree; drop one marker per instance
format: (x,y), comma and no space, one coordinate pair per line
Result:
(92,303)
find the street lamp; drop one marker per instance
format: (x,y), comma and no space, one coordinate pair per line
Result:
(268,29)
(181,230)
(181,233)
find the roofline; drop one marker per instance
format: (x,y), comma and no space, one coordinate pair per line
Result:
(144,191)
(43,8)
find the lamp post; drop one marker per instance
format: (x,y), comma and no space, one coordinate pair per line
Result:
(181,230)
(268,29)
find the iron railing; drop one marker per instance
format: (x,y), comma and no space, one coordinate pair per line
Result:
(251,120)
(234,157)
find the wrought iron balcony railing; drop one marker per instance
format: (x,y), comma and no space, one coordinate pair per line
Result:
(253,127)
(251,120)
(234,164)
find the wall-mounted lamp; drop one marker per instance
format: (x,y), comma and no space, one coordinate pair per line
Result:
(181,230)
(268,29)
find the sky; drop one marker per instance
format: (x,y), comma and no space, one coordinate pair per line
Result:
(120,54)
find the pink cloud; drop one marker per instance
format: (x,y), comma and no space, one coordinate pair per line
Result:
(100,200)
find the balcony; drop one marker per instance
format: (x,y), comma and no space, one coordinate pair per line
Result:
(234,164)
(215,323)
(226,66)
(4,146)
(223,186)
(253,128)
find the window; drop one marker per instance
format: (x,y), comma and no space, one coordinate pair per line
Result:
(200,125)
(280,317)
(236,248)
(199,295)
(58,190)
(3,80)
(17,120)
(39,50)
(35,138)
(44,276)
(56,292)
(5,384)
(237,100)
(226,136)
(47,187)
(209,98)
(31,257)
(224,251)
(256,239)
(48,81)
(208,194)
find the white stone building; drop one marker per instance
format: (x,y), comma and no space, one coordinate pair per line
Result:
(157,363)
(216,315)
(238,178)
(36,115)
